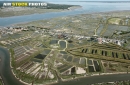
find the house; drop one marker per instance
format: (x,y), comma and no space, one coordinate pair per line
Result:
(36,31)
(9,32)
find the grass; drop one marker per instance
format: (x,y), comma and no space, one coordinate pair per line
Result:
(12,58)
(83,61)
(101,66)
(114,21)
(99,56)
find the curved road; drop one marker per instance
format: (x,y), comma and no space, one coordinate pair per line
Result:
(9,79)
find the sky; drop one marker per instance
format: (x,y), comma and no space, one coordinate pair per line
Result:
(64,0)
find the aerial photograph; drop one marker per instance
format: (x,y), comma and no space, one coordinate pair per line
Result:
(65,42)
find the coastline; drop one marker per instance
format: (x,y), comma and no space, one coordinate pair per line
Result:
(95,13)
(116,11)
(28,11)
(21,14)
(6,73)
(25,83)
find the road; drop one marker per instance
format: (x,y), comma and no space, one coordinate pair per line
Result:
(9,78)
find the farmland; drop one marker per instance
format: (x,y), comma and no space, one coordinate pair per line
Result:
(67,48)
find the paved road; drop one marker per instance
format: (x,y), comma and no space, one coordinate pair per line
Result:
(9,78)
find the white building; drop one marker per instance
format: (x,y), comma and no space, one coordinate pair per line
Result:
(104,40)
(80,70)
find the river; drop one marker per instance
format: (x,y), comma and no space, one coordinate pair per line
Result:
(96,79)
(5,70)
(87,7)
